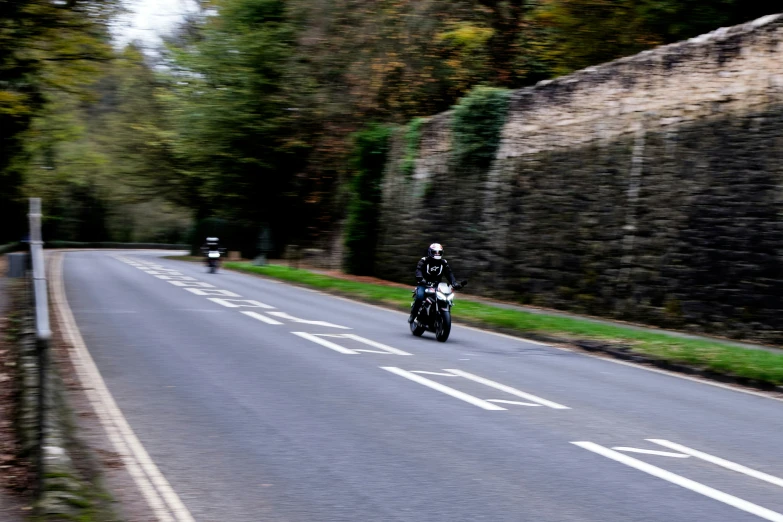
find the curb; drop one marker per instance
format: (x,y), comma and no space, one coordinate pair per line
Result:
(626,353)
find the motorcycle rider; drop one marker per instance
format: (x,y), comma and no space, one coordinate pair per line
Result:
(430,270)
(211,244)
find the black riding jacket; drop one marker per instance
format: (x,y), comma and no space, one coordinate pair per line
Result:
(433,270)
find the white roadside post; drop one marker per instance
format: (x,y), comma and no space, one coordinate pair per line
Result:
(43,332)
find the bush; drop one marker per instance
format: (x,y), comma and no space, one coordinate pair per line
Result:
(477,122)
(370,150)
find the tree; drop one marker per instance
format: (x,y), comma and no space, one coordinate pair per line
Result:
(234,118)
(45,47)
(562,36)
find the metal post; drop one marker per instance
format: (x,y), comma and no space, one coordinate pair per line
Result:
(43,332)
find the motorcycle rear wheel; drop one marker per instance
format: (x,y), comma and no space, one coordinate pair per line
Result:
(444,327)
(417,329)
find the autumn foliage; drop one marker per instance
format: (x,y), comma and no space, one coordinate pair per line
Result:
(248,113)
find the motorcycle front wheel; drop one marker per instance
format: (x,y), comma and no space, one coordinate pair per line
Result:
(444,327)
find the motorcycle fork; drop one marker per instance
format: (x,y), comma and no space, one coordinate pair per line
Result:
(426,306)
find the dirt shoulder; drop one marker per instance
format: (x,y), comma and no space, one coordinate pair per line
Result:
(16,494)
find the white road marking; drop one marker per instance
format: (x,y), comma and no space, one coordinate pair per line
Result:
(324,342)
(107,311)
(423,372)
(508,389)
(381,348)
(233,303)
(733,466)
(191,283)
(175,278)
(679,480)
(156,490)
(651,452)
(519,403)
(443,389)
(284,315)
(162,272)
(200,291)
(262,317)
(204,310)
(385,348)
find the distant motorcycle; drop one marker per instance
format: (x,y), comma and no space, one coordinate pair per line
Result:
(435,312)
(213,260)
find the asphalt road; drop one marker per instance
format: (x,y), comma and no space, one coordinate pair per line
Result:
(285,416)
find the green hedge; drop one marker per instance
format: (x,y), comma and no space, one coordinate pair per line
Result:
(370,151)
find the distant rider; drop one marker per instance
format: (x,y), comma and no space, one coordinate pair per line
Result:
(430,271)
(211,244)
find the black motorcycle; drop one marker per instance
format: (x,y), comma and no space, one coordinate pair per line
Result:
(435,312)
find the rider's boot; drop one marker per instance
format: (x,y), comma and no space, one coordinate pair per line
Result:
(414,311)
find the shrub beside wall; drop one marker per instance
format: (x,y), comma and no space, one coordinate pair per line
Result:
(371,148)
(477,120)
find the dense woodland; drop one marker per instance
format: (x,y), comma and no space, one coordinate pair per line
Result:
(251,116)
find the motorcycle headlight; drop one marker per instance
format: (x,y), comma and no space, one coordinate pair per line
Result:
(450,297)
(441,296)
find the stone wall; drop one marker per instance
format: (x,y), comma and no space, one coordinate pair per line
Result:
(648,189)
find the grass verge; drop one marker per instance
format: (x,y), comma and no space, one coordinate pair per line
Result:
(758,366)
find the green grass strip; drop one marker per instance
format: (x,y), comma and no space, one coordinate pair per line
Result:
(758,365)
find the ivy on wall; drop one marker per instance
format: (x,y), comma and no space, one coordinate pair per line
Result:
(477,122)
(412,139)
(370,151)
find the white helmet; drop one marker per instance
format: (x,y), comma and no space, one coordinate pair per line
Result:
(435,251)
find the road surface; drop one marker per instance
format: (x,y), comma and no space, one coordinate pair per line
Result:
(259,401)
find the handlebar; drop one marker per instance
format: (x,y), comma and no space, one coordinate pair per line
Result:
(460,284)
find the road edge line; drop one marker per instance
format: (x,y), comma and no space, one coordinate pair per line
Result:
(155,488)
